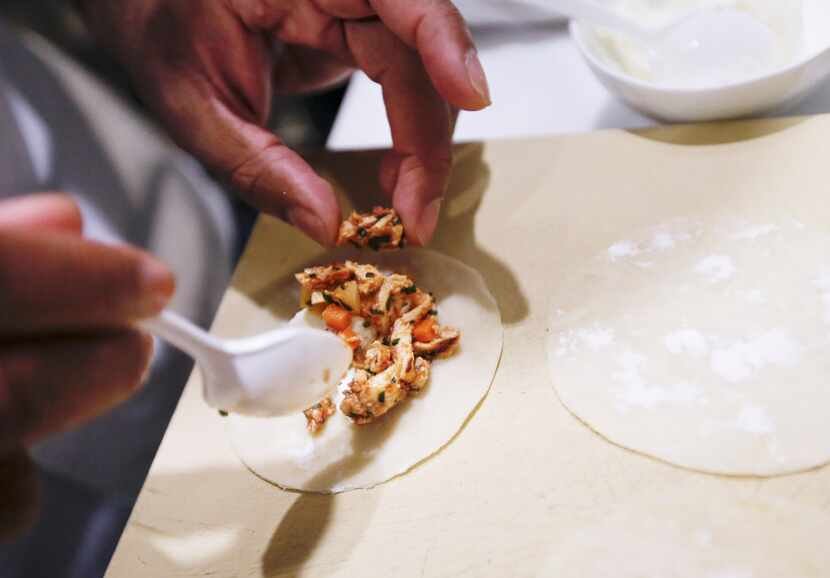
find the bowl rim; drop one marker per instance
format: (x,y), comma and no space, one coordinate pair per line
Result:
(578,30)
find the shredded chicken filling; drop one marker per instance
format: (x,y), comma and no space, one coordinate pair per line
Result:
(380,230)
(394,365)
(318,413)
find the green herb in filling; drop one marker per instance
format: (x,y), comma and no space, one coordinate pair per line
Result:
(377,242)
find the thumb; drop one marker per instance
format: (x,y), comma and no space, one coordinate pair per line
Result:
(55,211)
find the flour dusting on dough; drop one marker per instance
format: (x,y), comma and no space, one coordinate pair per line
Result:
(662,240)
(755,231)
(596,338)
(687,341)
(668,237)
(755,420)
(741,359)
(623,249)
(637,393)
(716,268)
(754,297)
(703,538)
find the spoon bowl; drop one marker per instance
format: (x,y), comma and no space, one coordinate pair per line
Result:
(275,373)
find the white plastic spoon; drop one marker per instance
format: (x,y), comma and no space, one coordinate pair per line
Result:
(707,45)
(275,373)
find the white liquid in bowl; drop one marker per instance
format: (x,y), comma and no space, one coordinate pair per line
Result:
(799,27)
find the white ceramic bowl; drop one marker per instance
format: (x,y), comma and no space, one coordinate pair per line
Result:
(778,89)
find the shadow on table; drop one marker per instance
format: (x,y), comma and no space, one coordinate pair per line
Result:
(303,526)
(199,528)
(617,113)
(718,133)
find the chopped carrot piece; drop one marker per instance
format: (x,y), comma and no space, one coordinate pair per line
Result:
(337,318)
(425,330)
(350,337)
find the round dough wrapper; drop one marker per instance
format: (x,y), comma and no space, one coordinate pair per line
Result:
(706,345)
(343,456)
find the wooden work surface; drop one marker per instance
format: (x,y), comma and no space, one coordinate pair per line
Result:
(525,489)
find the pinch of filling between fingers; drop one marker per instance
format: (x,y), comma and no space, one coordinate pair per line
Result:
(379,230)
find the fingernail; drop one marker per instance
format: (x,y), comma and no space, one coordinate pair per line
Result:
(428,221)
(309,223)
(159,284)
(478,79)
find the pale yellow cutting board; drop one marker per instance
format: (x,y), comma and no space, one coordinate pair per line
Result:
(525,489)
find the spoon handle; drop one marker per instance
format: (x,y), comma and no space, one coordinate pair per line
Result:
(180,332)
(594,13)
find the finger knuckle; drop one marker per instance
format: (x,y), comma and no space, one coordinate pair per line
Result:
(434,21)
(246,176)
(376,70)
(438,161)
(376,51)
(442,160)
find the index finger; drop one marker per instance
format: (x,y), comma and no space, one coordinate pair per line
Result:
(58,282)
(417,171)
(436,29)
(54,211)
